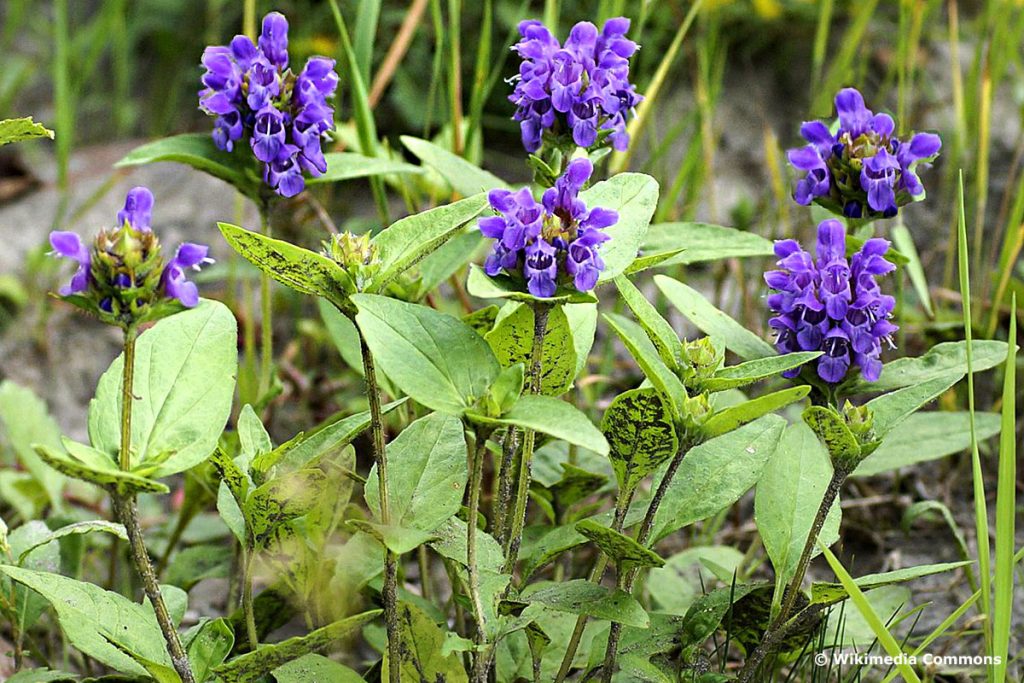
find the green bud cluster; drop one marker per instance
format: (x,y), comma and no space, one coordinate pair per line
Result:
(702,360)
(126,266)
(357,255)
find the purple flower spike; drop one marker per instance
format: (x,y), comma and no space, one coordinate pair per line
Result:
(863,171)
(69,245)
(285,117)
(176,286)
(831,304)
(138,208)
(551,242)
(578,90)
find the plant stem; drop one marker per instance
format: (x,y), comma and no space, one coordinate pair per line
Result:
(247,600)
(481,662)
(266,316)
(509,446)
(540,323)
(389,592)
(772,635)
(126,510)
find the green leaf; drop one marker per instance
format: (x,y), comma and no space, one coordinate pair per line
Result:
(347,166)
(448,259)
(904,241)
(421,652)
(703,242)
(684,578)
(715,474)
(191,565)
(650,261)
(511,340)
(281,500)
(251,666)
(343,333)
(699,311)
(399,540)
(198,151)
(313,667)
(751,371)
(185,368)
(409,240)
(658,330)
(555,418)
(830,427)
(303,270)
(831,593)
(88,464)
(435,358)
(927,436)
(646,356)
(26,421)
(16,130)
(75,529)
(788,495)
(89,616)
(41,676)
(208,644)
(639,427)
(252,435)
(892,408)
(451,544)
(619,547)
(482,285)
(428,480)
(465,178)
(730,418)
(706,614)
(27,604)
(583,327)
(580,596)
(939,361)
(634,196)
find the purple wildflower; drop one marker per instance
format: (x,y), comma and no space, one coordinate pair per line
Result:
(189,255)
(832,304)
(581,89)
(863,170)
(252,93)
(69,245)
(548,241)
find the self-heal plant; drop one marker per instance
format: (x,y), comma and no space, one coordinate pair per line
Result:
(832,304)
(257,99)
(859,168)
(547,243)
(579,91)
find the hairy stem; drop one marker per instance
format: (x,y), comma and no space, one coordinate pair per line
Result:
(476,452)
(509,446)
(775,632)
(389,593)
(540,323)
(247,600)
(126,511)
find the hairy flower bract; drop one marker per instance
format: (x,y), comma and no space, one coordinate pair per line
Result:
(832,304)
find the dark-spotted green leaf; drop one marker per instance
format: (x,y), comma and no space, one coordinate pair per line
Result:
(927,436)
(830,593)
(575,484)
(580,596)
(90,617)
(618,546)
(254,665)
(937,362)
(715,474)
(464,177)
(482,285)
(314,667)
(555,418)
(185,369)
(422,650)
(409,240)
(751,371)
(347,166)
(197,150)
(427,484)
(634,196)
(699,311)
(511,340)
(303,270)
(830,427)
(639,427)
(281,500)
(788,495)
(435,358)
(730,418)
(706,614)
(646,356)
(16,130)
(658,330)
(704,242)
(88,464)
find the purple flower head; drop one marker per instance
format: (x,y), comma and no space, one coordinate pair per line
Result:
(551,242)
(285,117)
(69,245)
(832,304)
(579,90)
(862,170)
(138,208)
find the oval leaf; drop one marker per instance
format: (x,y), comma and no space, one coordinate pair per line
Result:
(639,426)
